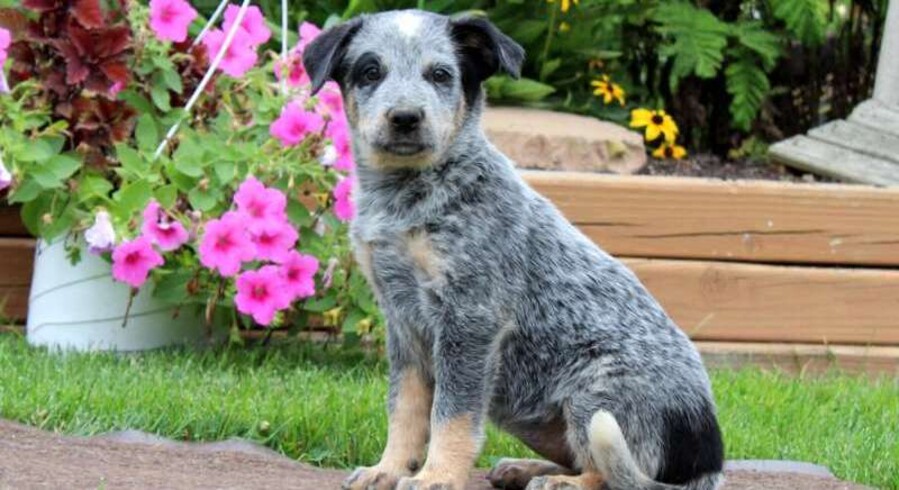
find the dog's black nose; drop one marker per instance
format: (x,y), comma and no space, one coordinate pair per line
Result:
(405,120)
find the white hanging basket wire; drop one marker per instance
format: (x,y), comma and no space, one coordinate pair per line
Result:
(229,38)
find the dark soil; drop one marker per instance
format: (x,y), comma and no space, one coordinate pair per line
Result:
(711,166)
(32,459)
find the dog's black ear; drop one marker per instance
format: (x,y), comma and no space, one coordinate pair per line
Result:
(485,49)
(324,55)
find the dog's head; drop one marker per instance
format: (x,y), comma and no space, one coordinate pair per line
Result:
(410,80)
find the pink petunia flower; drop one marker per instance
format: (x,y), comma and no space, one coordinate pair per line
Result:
(260,204)
(295,123)
(132,261)
(240,56)
(330,100)
(293,68)
(100,237)
(344,207)
(5,177)
(298,271)
(339,133)
(308,32)
(115,89)
(226,244)
(167,234)
(170,19)
(261,293)
(5,41)
(274,240)
(253,24)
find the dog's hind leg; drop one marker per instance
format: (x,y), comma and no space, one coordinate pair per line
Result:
(515,474)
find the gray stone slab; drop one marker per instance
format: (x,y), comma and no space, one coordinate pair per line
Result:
(863,139)
(828,159)
(778,466)
(876,115)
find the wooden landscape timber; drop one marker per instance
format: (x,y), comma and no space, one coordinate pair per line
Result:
(757,272)
(750,221)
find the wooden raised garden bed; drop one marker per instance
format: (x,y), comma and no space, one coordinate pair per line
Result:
(16,257)
(798,274)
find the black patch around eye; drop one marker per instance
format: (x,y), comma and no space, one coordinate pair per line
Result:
(367,71)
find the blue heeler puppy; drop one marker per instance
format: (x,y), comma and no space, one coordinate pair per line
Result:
(496,305)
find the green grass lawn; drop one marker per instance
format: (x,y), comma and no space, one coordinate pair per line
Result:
(327,407)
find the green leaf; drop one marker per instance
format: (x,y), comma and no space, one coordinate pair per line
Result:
(64,165)
(225,171)
(59,223)
(298,214)
(137,101)
(748,84)
(172,80)
(189,158)
(42,149)
(130,159)
(320,304)
(203,200)
(52,173)
(804,18)
(27,191)
(184,182)
(146,133)
(695,39)
(92,186)
(133,197)
(525,89)
(161,99)
(351,320)
(765,44)
(167,195)
(172,288)
(33,212)
(549,68)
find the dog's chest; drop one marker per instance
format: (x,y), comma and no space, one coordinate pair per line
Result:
(399,258)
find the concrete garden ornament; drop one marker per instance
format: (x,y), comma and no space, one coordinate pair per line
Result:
(174,228)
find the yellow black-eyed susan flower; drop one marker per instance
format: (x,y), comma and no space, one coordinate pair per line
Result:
(657,123)
(670,151)
(607,90)
(565,4)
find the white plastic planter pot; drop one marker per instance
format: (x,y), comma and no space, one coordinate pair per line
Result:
(80,307)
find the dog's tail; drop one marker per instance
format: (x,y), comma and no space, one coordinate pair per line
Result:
(616,463)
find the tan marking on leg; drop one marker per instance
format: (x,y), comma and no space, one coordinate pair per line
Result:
(452,453)
(423,255)
(409,424)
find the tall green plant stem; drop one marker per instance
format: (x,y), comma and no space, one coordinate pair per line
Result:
(550,32)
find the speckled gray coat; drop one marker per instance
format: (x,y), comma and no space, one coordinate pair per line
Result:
(503,306)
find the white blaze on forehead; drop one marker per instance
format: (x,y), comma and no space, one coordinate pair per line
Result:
(409,24)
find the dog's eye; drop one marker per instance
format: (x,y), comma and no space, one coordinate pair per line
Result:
(440,75)
(372,74)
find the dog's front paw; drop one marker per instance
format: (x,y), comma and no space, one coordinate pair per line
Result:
(427,482)
(372,478)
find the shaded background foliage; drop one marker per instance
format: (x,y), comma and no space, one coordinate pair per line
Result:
(734,73)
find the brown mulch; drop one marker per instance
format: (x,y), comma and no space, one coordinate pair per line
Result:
(711,166)
(31,458)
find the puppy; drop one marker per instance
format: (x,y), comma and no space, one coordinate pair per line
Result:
(496,306)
